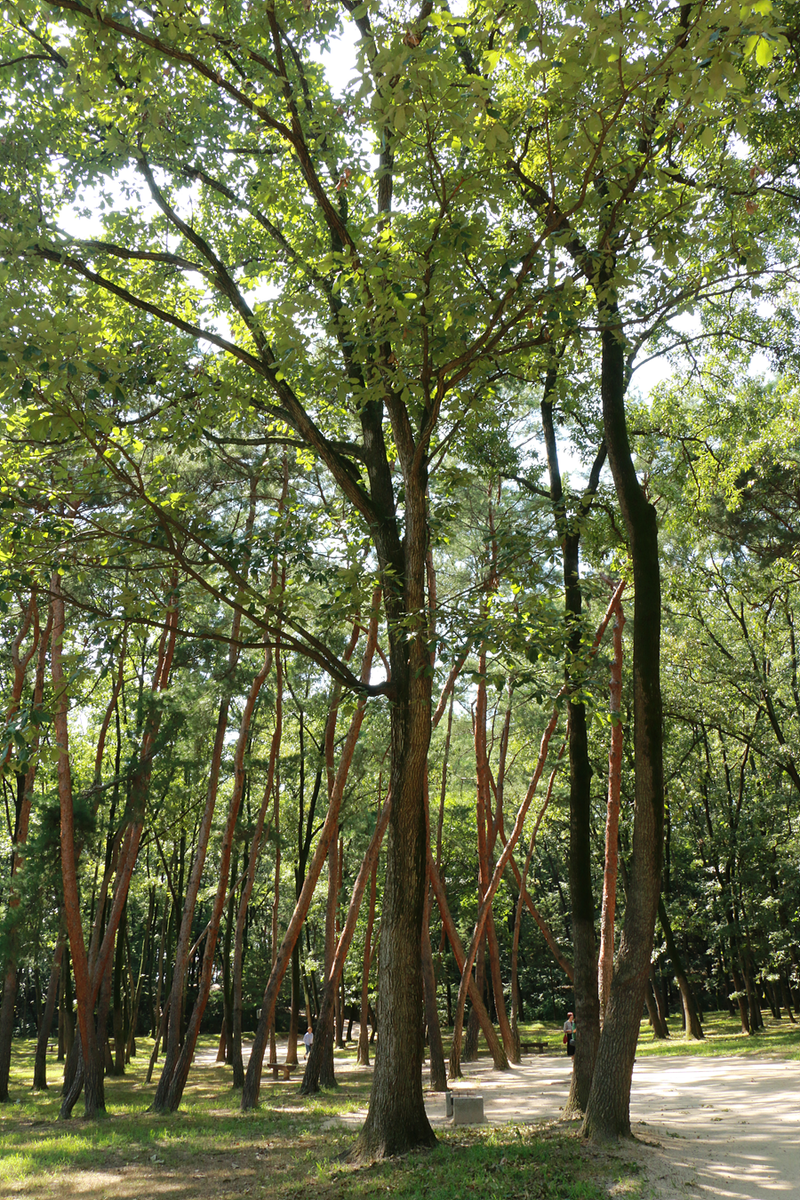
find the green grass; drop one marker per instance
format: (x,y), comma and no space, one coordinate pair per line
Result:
(292,1146)
(289,1147)
(723,1036)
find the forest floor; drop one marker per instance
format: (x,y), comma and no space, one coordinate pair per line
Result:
(706,1125)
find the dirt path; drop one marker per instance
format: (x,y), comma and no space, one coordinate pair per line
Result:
(705,1127)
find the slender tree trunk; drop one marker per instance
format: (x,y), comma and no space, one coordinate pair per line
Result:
(455,1052)
(25,787)
(249,881)
(252,1082)
(172,1083)
(46,1025)
(313,1078)
(607,919)
(660,1031)
(363,1033)
(694,1027)
(492,1040)
(438,1075)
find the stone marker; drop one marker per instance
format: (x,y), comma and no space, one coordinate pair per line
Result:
(468,1110)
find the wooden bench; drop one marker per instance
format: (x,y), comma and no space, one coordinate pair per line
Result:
(284,1069)
(529,1047)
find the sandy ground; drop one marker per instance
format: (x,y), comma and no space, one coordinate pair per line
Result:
(704,1127)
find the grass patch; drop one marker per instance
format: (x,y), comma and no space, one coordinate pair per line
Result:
(723,1036)
(290,1147)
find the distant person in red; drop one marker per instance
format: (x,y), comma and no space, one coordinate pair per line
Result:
(569,1034)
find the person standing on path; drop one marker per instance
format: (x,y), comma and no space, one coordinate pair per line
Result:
(569,1034)
(308,1038)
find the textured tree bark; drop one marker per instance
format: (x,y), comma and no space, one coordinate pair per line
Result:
(605,966)
(608,1108)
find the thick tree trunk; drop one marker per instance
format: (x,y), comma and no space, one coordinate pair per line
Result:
(608,1109)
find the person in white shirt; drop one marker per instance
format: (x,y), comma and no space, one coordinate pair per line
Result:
(569,1034)
(308,1038)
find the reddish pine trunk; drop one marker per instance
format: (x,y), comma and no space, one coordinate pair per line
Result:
(313,1078)
(94,1100)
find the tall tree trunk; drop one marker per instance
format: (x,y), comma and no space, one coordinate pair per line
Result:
(249,881)
(173,1081)
(605,968)
(587,1009)
(25,786)
(608,1108)
(94,1099)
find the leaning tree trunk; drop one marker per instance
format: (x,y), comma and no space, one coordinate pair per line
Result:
(313,1077)
(608,1109)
